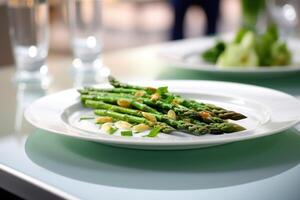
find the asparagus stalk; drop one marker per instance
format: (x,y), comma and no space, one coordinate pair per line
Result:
(220,128)
(225,128)
(145,104)
(194,117)
(133,119)
(114,82)
(194,126)
(218,111)
(194,129)
(192,104)
(88,90)
(114,99)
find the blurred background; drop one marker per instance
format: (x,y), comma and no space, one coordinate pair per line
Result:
(131,23)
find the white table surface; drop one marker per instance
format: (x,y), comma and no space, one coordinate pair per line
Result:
(265,168)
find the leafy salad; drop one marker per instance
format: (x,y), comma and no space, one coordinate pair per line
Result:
(250,49)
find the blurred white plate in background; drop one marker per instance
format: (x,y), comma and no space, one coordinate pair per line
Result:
(186,54)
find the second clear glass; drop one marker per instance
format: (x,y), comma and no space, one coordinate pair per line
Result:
(29,35)
(85,28)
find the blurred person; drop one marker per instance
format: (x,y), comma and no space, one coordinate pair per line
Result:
(5,48)
(180,7)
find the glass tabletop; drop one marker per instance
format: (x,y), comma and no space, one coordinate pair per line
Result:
(72,168)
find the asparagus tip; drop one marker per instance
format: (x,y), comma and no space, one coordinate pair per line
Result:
(232,115)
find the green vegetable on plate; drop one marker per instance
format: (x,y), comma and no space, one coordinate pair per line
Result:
(137,108)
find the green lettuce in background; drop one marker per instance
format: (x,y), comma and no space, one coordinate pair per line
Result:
(249,48)
(251,10)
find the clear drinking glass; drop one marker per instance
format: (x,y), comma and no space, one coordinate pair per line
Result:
(85,29)
(285,13)
(29,31)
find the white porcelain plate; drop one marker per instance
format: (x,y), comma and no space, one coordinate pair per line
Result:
(268,112)
(186,54)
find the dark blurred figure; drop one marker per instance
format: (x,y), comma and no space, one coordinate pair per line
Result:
(5,48)
(180,7)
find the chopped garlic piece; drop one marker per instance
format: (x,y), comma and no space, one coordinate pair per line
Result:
(106,127)
(140,93)
(155,97)
(103,119)
(140,128)
(150,117)
(123,125)
(123,103)
(171,114)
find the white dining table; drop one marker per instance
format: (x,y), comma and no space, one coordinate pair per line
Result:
(36,164)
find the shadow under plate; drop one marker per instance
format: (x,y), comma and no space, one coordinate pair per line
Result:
(220,166)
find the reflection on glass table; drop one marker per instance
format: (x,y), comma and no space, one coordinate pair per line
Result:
(26,94)
(86,78)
